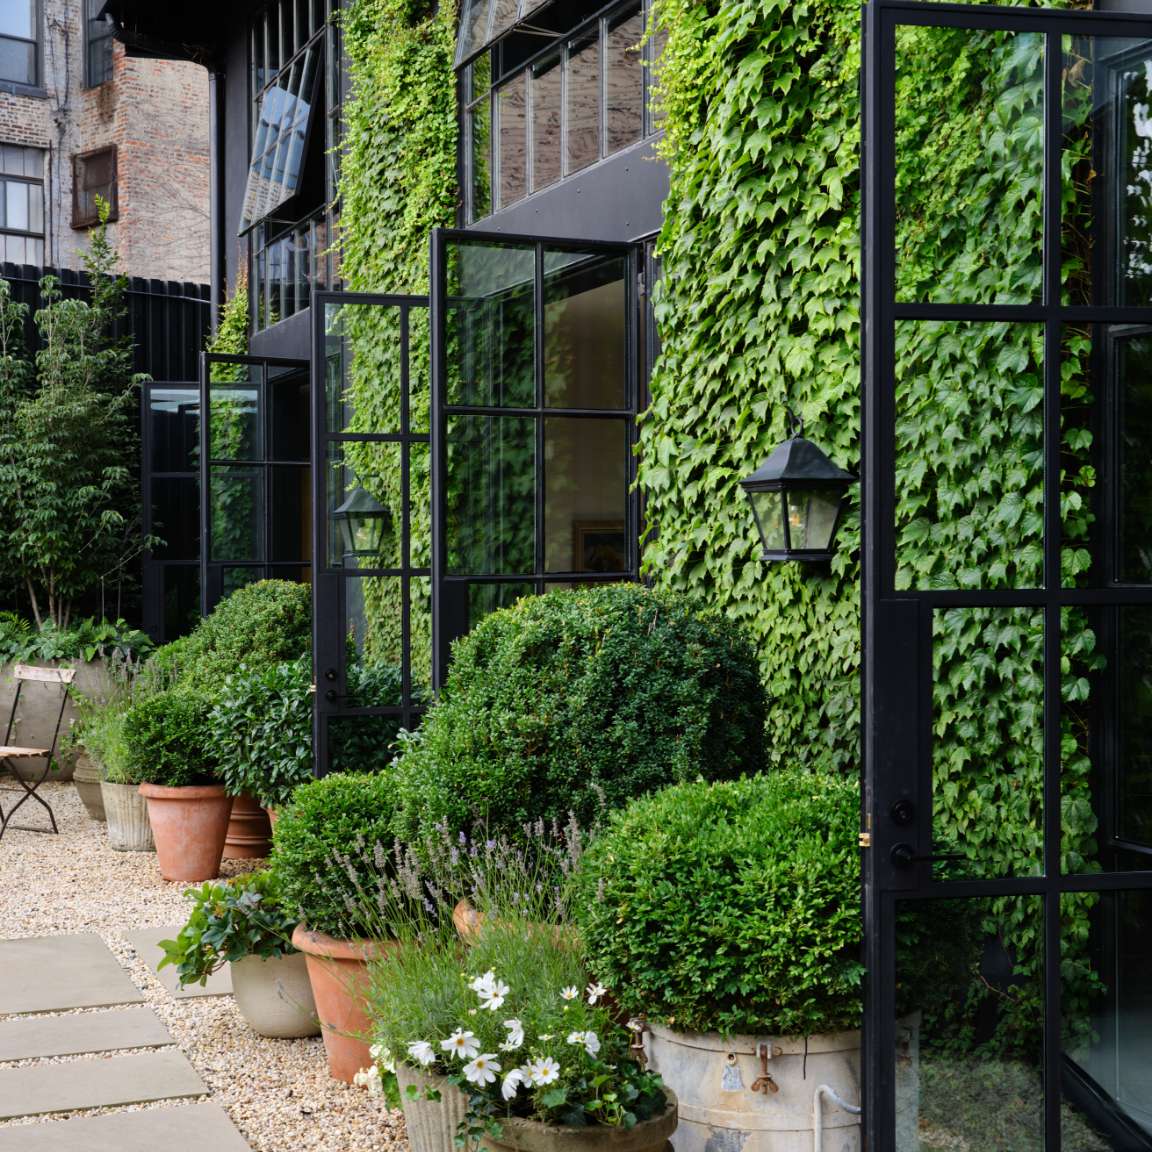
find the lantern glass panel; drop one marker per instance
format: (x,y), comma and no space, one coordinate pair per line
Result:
(768,508)
(812,518)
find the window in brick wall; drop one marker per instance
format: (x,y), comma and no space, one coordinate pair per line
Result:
(21,205)
(18,25)
(93,175)
(98,33)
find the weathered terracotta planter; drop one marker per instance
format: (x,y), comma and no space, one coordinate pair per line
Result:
(249,832)
(189,825)
(532,1136)
(127,813)
(338,970)
(273,816)
(86,779)
(431,1124)
(274,995)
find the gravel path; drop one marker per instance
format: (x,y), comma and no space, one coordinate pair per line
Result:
(277,1092)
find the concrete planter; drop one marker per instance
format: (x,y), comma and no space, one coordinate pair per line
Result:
(722,1105)
(431,1124)
(127,813)
(189,825)
(249,832)
(274,995)
(86,779)
(649,1136)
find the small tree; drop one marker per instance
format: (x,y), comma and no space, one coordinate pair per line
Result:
(69,497)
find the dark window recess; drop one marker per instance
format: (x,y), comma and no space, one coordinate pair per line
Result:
(98,34)
(93,178)
(18,41)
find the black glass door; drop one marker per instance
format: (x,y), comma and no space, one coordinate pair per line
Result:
(1007,579)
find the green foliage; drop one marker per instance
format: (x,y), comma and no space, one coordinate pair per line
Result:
(731,907)
(230,920)
(332,827)
(231,335)
(165,740)
(260,731)
(577,700)
(88,639)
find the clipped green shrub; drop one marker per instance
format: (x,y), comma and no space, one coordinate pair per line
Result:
(731,907)
(577,700)
(327,850)
(165,740)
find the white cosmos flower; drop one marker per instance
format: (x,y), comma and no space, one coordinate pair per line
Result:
(512,1083)
(422,1052)
(494,996)
(570,993)
(481,985)
(482,1071)
(543,1071)
(596,992)
(515,1036)
(463,1045)
(589,1040)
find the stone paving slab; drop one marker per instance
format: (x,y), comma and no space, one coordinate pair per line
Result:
(41,1036)
(147,944)
(186,1129)
(39,1089)
(57,973)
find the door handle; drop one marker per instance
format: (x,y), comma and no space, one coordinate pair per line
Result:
(904,856)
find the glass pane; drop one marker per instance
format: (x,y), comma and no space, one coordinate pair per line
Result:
(486,598)
(234,421)
(490,487)
(503,17)
(17,60)
(287,404)
(290,513)
(768,508)
(623,60)
(970,1010)
(490,326)
(546,154)
(176,518)
(362,743)
(480,119)
(36,207)
(969,455)
(812,518)
(1128,355)
(373,626)
(420,596)
(236,509)
(363,347)
(364,505)
(420,495)
(16,205)
(12,160)
(33,162)
(473,26)
(585,495)
(1107,1027)
(512,110)
(585,330)
(35,252)
(17,18)
(174,428)
(583,103)
(970,165)
(235,577)
(419,371)
(181,595)
(15,250)
(988,742)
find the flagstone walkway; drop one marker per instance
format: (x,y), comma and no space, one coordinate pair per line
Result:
(101,1053)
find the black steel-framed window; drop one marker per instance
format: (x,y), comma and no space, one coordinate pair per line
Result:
(19,36)
(99,32)
(22,205)
(94,177)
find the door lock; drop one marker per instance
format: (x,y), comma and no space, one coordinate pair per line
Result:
(330,674)
(903,811)
(904,856)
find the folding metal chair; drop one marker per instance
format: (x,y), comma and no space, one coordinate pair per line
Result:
(24,674)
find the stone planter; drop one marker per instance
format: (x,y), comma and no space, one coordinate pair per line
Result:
(338,970)
(127,814)
(274,995)
(189,825)
(648,1136)
(86,779)
(713,1078)
(431,1124)
(249,832)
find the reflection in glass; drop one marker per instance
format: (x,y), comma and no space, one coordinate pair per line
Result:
(181,597)
(364,519)
(1129,352)
(546,154)
(512,113)
(480,135)
(970,165)
(174,428)
(624,83)
(484,599)
(236,511)
(812,518)
(363,368)
(234,423)
(582,103)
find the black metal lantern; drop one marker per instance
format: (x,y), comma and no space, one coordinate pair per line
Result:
(362,521)
(797,497)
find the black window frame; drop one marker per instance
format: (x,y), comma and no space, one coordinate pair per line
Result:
(32,85)
(80,161)
(32,181)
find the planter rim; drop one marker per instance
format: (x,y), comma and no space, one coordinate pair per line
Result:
(313,943)
(792,1045)
(190,792)
(517,1132)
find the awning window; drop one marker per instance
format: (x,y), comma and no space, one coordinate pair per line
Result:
(482,22)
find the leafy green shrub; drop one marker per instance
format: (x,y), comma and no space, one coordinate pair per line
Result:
(578,699)
(87,639)
(260,732)
(230,919)
(731,907)
(165,740)
(335,829)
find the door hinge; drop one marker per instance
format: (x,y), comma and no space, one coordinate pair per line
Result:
(865,839)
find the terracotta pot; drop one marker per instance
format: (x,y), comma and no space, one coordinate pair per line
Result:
(431,1124)
(273,816)
(249,832)
(533,1136)
(127,812)
(467,920)
(338,971)
(86,780)
(189,825)
(274,995)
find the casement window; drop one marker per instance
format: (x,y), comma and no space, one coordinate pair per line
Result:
(93,178)
(21,205)
(19,23)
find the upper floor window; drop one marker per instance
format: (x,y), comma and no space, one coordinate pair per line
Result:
(98,34)
(21,205)
(534,115)
(18,20)
(94,179)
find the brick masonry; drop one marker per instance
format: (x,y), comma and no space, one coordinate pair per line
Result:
(156,113)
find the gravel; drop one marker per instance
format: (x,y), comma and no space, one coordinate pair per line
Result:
(277,1092)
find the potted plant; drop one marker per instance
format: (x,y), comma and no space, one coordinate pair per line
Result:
(260,733)
(727,917)
(330,848)
(509,1044)
(165,749)
(244,924)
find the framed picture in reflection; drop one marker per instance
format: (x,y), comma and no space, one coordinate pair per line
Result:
(599,546)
